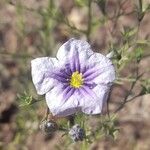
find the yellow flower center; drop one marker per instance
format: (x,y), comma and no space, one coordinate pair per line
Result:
(76,80)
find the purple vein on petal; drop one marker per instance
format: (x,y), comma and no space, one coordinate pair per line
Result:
(89,71)
(83,68)
(46,75)
(72,65)
(93,72)
(59,77)
(82,92)
(90,85)
(92,76)
(89,92)
(43,78)
(64,73)
(68,92)
(58,89)
(68,69)
(77,61)
(72,61)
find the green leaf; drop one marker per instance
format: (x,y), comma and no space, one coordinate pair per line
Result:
(81,3)
(129,32)
(138,54)
(145,87)
(143,42)
(25,99)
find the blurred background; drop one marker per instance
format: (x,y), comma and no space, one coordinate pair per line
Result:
(34,28)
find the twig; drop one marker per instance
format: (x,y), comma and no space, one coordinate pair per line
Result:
(71,120)
(126,97)
(140,4)
(89,20)
(16,55)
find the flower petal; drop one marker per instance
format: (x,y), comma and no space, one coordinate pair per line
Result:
(62,102)
(100,70)
(40,70)
(95,104)
(76,53)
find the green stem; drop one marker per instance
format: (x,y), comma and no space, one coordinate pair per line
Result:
(84,145)
(20,56)
(89,20)
(141,6)
(71,120)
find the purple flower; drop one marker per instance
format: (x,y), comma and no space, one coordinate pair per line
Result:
(76,80)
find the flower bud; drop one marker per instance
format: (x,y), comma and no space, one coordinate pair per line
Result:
(48,127)
(77,133)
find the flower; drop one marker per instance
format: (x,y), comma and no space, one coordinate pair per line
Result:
(76,80)
(77,133)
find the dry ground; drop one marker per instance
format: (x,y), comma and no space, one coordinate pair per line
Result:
(133,120)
